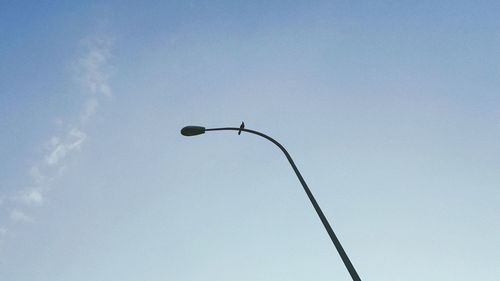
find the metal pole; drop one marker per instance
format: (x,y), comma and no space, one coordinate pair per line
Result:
(333,237)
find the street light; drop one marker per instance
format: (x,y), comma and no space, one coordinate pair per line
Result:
(198,130)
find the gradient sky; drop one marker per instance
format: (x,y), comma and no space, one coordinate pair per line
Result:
(391,110)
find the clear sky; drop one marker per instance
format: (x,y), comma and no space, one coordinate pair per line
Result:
(391,110)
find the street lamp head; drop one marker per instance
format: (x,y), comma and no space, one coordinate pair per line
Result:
(192,131)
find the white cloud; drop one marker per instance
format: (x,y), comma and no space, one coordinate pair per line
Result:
(3,231)
(36,175)
(60,149)
(89,109)
(19,216)
(95,68)
(32,197)
(93,74)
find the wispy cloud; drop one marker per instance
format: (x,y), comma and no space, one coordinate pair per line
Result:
(93,72)
(32,197)
(19,216)
(95,67)
(60,149)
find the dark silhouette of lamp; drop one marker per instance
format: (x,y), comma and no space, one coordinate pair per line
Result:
(192,131)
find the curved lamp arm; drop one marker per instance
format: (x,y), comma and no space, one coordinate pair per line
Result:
(196,130)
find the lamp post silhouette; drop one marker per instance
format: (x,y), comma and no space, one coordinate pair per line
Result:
(198,130)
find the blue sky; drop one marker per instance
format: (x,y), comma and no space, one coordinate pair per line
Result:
(391,110)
